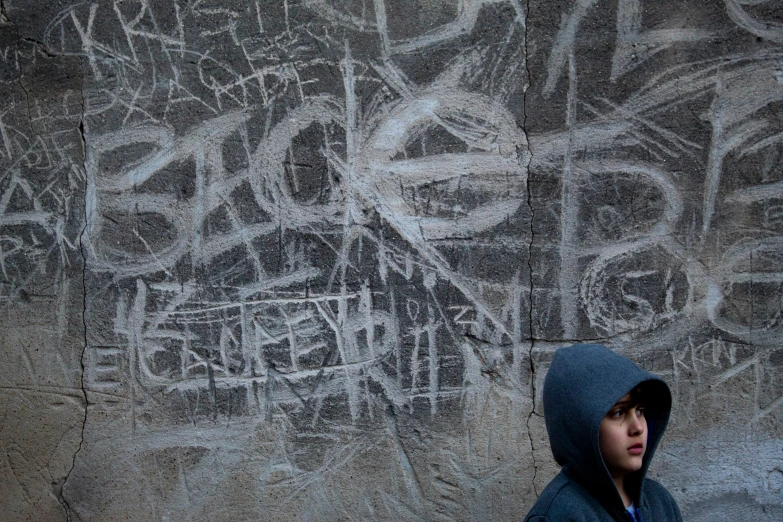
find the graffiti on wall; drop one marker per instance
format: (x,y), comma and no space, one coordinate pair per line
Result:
(325,213)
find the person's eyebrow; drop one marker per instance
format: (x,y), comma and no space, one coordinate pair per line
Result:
(625,403)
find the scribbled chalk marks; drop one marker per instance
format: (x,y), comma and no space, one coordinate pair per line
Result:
(637,289)
(40,176)
(734,376)
(466,17)
(347,188)
(133,233)
(319,233)
(635,45)
(739,128)
(290,195)
(385,190)
(746,299)
(41,216)
(735,120)
(285,348)
(648,257)
(150,61)
(474,191)
(264,326)
(106,369)
(669,242)
(21,205)
(751,16)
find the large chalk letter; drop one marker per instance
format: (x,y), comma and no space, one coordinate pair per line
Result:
(268,179)
(564,44)
(494,173)
(634,46)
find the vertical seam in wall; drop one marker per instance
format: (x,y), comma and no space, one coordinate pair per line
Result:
(62,498)
(529,251)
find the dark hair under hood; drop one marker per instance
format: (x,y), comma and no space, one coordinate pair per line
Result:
(583,382)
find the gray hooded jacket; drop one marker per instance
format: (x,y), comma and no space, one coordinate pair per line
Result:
(583,383)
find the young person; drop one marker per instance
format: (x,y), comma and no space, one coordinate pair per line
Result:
(604,416)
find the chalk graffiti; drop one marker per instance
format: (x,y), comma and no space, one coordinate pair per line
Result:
(391,188)
(360,222)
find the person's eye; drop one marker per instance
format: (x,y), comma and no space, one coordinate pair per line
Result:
(616,414)
(640,411)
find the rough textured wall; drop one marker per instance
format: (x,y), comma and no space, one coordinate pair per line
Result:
(309,259)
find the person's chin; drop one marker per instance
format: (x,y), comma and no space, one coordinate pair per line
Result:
(635,463)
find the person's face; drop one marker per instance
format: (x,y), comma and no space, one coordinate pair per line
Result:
(622,437)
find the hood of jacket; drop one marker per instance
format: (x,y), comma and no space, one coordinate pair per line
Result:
(583,382)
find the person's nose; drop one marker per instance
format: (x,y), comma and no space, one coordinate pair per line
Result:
(637,424)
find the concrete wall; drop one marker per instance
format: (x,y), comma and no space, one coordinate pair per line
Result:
(309,259)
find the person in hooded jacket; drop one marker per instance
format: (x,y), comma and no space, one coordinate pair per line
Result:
(605,417)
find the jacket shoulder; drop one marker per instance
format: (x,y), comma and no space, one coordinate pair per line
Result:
(566,501)
(541,508)
(659,502)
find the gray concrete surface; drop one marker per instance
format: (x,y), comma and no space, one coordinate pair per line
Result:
(309,260)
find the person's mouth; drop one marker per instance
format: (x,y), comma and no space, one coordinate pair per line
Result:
(636,449)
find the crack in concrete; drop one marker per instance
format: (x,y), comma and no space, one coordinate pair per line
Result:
(61,498)
(5,19)
(40,46)
(530,251)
